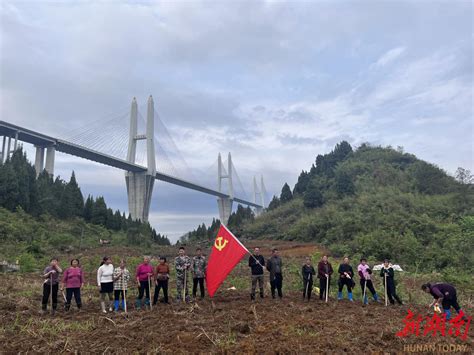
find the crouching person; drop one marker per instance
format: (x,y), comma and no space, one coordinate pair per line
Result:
(444,294)
(51,285)
(121,279)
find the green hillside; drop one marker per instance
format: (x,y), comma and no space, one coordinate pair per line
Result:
(378,202)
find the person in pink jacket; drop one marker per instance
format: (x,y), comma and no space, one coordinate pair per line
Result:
(144,277)
(73,280)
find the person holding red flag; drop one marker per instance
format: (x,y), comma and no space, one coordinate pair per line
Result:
(256,264)
(226,252)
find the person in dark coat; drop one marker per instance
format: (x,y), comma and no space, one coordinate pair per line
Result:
(390,287)
(346,277)
(274,266)
(307,272)
(256,264)
(444,294)
(324,275)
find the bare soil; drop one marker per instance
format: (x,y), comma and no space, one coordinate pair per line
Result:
(229,323)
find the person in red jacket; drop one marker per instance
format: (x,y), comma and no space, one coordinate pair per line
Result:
(324,275)
(144,275)
(73,280)
(162,275)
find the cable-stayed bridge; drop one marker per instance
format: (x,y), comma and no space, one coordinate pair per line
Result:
(105,142)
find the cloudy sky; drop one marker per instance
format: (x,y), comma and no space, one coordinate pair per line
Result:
(275,83)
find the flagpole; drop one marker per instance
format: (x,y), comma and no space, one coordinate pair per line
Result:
(243,246)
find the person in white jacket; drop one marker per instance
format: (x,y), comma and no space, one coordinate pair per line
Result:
(105,282)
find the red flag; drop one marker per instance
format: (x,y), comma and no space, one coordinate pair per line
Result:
(225,254)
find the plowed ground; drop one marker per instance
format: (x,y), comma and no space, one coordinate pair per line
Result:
(230,323)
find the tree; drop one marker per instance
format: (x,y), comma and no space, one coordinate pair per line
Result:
(344,184)
(464,176)
(286,194)
(274,203)
(9,190)
(341,151)
(313,197)
(99,212)
(77,200)
(302,184)
(88,207)
(46,199)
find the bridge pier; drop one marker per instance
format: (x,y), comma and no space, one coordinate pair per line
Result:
(39,160)
(15,145)
(8,148)
(225,203)
(140,185)
(2,157)
(50,153)
(139,191)
(225,209)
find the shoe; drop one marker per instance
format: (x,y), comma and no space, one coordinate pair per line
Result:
(252,297)
(339,296)
(448,313)
(111,309)
(349,295)
(116,306)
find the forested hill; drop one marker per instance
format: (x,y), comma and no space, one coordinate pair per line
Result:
(377,202)
(29,206)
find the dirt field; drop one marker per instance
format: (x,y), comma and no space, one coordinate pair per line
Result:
(230,323)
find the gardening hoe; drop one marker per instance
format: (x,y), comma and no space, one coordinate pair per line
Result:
(149,292)
(307,286)
(365,290)
(184,288)
(64,296)
(385,288)
(51,291)
(327,288)
(124,297)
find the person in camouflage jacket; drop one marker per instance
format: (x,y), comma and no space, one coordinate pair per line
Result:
(199,272)
(182,264)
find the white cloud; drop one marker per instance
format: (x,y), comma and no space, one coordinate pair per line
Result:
(390,56)
(275,83)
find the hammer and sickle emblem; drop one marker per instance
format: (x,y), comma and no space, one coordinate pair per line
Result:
(220,243)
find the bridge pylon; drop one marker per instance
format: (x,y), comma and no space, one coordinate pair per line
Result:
(225,203)
(140,184)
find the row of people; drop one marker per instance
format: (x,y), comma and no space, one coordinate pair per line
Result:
(274,265)
(113,282)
